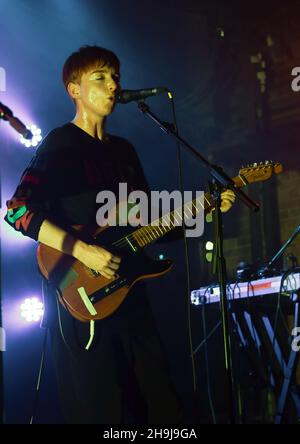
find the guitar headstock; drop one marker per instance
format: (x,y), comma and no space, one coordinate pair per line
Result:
(257,172)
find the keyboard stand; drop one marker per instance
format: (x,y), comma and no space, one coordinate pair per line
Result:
(261,332)
(288,375)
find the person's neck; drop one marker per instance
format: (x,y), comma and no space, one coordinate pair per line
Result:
(94,127)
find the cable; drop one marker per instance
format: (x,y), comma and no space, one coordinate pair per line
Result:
(211,405)
(42,361)
(59,320)
(41,368)
(180,179)
(74,326)
(249,306)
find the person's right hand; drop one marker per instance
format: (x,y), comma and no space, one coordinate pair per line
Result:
(97,258)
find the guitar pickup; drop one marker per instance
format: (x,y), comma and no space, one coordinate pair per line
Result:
(108,289)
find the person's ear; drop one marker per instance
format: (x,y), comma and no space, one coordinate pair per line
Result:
(74,90)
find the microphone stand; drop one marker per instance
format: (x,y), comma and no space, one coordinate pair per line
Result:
(7,115)
(220,180)
(2,349)
(2,331)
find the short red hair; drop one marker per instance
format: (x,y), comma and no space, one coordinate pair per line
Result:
(85,59)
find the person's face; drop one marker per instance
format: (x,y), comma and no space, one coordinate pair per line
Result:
(96,92)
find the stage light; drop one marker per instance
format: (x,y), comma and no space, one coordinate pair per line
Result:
(209,217)
(209,246)
(161,256)
(32,310)
(36,137)
(220,32)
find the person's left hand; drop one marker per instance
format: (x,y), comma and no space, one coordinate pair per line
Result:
(227,199)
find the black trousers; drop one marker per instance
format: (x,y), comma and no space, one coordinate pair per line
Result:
(123,377)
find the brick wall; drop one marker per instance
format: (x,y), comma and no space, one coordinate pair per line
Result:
(288,195)
(289,208)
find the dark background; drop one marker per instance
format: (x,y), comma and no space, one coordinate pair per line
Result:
(204,51)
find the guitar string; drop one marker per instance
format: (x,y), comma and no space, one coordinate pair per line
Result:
(124,240)
(144,232)
(150,230)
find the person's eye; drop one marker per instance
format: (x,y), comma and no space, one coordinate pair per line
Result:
(100,78)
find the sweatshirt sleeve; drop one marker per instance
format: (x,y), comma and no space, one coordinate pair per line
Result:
(29,205)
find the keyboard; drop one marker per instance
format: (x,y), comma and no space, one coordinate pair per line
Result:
(256,288)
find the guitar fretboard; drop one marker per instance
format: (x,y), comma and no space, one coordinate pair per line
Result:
(146,235)
(158,228)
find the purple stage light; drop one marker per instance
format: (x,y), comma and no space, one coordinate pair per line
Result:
(36,137)
(32,310)
(18,125)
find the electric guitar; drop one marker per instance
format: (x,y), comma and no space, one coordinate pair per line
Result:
(88,295)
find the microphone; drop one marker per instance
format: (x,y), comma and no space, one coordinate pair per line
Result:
(127,95)
(7,114)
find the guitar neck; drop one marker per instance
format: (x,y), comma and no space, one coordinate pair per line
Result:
(160,227)
(146,235)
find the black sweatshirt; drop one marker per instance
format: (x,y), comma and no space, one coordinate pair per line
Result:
(62,180)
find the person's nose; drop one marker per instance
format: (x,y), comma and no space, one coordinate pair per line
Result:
(112,85)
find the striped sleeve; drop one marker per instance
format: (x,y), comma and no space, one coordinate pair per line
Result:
(29,205)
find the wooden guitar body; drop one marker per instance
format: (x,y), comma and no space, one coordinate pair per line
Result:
(88,295)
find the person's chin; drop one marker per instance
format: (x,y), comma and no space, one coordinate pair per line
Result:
(105,112)
(110,109)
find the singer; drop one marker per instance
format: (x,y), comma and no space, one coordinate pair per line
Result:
(114,370)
